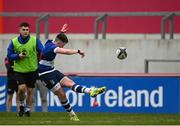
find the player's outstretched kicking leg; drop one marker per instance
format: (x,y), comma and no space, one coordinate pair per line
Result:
(93,92)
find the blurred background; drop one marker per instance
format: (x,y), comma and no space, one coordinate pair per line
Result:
(149,29)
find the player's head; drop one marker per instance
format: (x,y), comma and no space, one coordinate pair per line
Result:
(24,29)
(61,40)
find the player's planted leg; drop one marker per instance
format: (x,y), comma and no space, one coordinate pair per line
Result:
(73,117)
(65,103)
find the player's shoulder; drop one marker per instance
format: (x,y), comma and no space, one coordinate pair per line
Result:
(49,45)
(49,41)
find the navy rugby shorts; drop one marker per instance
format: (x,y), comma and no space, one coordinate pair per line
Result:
(52,79)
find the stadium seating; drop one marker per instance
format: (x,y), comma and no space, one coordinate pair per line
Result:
(115,24)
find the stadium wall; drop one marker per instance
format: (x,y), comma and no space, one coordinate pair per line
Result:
(124,94)
(101,57)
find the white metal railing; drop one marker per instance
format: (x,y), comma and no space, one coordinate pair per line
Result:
(147,61)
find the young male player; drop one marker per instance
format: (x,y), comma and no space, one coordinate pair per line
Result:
(23,50)
(54,80)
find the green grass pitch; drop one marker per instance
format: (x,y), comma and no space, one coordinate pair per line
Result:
(62,118)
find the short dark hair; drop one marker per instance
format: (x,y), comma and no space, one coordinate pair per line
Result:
(61,36)
(25,24)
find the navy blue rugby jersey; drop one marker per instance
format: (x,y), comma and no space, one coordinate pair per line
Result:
(46,64)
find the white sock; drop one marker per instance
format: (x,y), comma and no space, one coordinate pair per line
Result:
(21,104)
(27,109)
(72,113)
(87,90)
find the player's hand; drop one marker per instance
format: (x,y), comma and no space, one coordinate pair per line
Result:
(22,55)
(81,53)
(64,28)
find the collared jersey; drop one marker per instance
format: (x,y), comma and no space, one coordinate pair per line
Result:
(46,64)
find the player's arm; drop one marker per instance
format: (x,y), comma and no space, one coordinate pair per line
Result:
(64,28)
(69,51)
(39,48)
(12,55)
(39,45)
